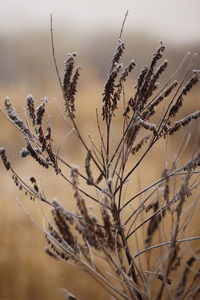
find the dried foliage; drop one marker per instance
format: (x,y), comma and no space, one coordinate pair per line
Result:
(112,232)
(69,84)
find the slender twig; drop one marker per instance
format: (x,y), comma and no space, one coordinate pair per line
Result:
(124,21)
(53,52)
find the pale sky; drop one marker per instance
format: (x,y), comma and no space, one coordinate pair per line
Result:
(177,20)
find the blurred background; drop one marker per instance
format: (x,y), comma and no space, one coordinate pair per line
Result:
(90,28)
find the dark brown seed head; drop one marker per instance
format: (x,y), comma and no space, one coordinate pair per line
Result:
(4,159)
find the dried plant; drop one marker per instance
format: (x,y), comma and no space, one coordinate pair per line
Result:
(115,232)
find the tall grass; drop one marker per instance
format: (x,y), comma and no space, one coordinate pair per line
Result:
(137,240)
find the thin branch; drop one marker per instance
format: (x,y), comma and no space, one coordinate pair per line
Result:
(123,23)
(53,52)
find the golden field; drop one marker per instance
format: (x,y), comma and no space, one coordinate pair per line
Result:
(26,272)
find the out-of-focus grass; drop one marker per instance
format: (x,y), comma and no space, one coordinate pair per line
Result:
(26,272)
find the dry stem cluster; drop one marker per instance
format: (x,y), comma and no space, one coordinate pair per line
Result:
(80,236)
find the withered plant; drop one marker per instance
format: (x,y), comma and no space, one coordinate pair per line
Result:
(141,234)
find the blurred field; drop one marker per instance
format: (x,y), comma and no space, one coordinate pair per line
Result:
(26,272)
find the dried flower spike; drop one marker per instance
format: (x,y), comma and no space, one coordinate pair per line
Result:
(15,118)
(4,159)
(31,109)
(70,84)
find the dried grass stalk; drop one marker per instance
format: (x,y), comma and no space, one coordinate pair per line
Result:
(178,103)
(15,119)
(4,158)
(80,236)
(183,122)
(31,108)
(70,81)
